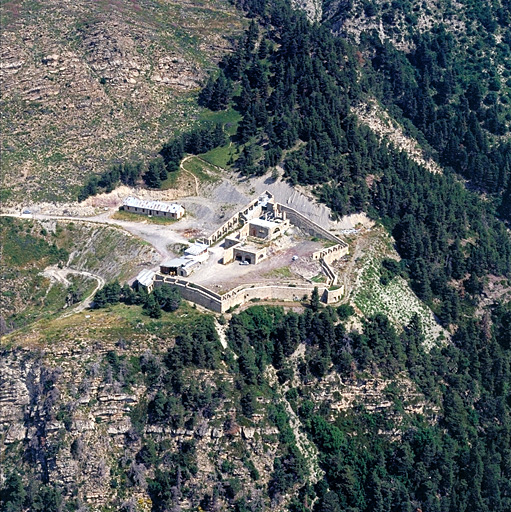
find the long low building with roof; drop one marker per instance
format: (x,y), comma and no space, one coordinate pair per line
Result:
(155,208)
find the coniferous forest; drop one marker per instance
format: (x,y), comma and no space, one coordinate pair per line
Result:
(295,85)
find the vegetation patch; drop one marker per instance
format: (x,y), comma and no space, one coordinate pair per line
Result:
(223,156)
(202,170)
(394,298)
(29,247)
(283,273)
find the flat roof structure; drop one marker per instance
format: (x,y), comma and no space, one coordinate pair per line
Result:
(174,262)
(196,249)
(263,223)
(160,206)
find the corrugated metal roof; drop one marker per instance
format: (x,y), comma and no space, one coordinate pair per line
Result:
(191,263)
(159,206)
(146,277)
(174,262)
(196,249)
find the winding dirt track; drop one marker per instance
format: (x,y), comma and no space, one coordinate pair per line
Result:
(155,235)
(59,275)
(197,182)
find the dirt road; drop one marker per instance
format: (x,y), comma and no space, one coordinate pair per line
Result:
(159,236)
(59,275)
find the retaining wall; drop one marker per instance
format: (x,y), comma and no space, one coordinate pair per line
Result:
(330,254)
(193,292)
(329,271)
(232,223)
(333,296)
(308,225)
(243,294)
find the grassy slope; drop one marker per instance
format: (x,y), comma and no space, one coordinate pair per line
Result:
(396,300)
(29,247)
(95,82)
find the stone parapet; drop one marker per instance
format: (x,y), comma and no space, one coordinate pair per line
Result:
(331,254)
(243,294)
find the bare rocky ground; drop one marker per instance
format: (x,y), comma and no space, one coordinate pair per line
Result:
(427,14)
(85,84)
(495,289)
(384,126)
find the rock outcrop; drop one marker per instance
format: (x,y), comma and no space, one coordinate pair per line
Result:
(87,83)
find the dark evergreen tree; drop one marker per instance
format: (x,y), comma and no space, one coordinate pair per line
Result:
(315,303)
(152,308)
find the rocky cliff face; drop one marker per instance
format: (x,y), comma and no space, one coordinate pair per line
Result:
(87,83)
(313,8)
(396,23)
(81,410)
(72,425)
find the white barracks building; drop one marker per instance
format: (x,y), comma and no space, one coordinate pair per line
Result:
(154,208)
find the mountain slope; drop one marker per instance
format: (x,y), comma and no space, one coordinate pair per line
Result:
(131,408)
(85,84)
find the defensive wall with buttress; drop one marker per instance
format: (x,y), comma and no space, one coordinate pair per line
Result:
(242,294)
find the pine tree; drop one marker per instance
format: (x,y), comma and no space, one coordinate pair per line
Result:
(314,302)
(152,177)
(99,300)
(152,308)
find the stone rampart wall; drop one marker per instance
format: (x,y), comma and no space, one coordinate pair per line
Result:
(233,222)
(243,294)
(193,292)
(333,296)
(330,254)
(308,225)
(330,273)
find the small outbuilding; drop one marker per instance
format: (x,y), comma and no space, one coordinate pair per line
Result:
(182,267)
(145,279)
(171,266)
(197,251)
